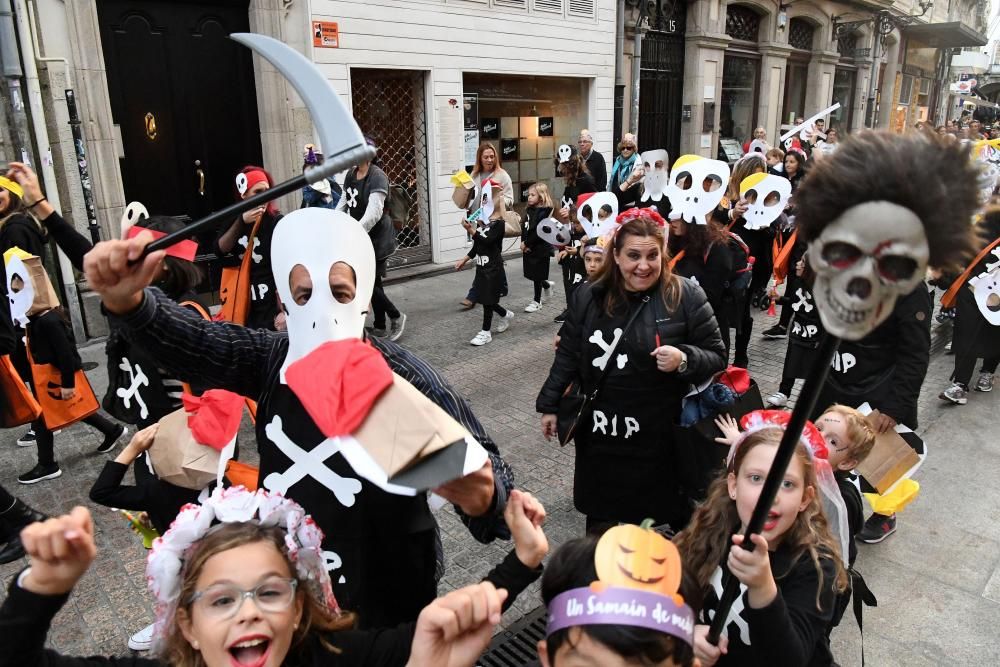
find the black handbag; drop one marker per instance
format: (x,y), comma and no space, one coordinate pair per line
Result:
(574,404)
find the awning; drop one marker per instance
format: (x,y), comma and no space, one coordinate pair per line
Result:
(944,35)
(978,101)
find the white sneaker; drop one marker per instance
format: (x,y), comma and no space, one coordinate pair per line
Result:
(777,400)
(505,321)
(533,307)
(142,640)
(482,338)
(547,291)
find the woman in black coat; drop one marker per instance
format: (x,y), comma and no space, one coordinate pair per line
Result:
(625,460)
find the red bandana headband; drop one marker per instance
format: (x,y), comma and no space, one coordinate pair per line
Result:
(246,180)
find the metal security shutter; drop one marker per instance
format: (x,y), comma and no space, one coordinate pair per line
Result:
(549,6)
(581,7)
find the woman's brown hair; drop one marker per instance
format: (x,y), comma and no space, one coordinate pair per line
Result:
(610,277)
(479,158)
(704,541)
(571,169)
(745,166)
(176,650)
(697,239)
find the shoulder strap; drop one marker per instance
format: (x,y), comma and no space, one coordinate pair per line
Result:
(948,300)
(676,258)
(611,352)
(197,307)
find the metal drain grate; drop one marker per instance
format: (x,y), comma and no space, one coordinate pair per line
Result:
(517,646)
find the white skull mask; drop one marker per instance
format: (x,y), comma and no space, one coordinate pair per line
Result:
(591,217)
(20,302)
(987,291)
(656,167)
(696,187)
(486,204)
(872,254)
(316,239)
(133,215)
(767,196)
(554,232)
(565,152)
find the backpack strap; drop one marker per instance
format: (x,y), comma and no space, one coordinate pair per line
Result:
(948,300)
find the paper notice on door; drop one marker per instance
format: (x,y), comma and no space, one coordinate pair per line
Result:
(450,118)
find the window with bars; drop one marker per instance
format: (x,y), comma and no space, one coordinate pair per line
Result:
(800,34)
(847,44)
(742,23)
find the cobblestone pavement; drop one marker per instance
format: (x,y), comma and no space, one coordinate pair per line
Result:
(501,381)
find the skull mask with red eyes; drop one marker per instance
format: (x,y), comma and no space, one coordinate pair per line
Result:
(874,253)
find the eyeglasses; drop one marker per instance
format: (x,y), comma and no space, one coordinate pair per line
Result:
(222,601)
(628,148)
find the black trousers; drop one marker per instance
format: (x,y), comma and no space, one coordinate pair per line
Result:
(45,441)
(381,305)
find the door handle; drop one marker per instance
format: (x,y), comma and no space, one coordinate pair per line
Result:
(201,177)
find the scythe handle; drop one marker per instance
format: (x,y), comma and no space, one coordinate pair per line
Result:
(789,440)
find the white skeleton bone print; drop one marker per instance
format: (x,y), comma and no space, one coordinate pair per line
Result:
(352,197)
(597,338)
(137,379)
(566,201)
(805,301)
(309,464)
(332,561)
(735,612)
(253,254)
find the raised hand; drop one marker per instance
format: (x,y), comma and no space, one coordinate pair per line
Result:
(525,515)
(61,549)
(454,630)
(111,273)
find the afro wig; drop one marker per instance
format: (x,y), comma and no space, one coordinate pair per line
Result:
(919,171)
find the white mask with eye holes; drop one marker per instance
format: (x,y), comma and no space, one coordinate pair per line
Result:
(656,167)
(864,260)
(565,152)
(318,238)
(986,288)
(767,196)
(696,187)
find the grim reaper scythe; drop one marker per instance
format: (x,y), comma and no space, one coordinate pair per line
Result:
(338,133)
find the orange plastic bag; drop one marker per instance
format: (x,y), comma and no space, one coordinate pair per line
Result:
(57,411)
(19,405)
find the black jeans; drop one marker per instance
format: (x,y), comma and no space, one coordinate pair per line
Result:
(488,315)
(381,305)
(965,364)
(44,440)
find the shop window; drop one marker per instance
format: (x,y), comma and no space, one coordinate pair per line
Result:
(742,23)
(794,105)
(800,34)
(844,81)
(738,113)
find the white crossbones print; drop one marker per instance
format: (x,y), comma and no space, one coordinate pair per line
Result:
(309,464)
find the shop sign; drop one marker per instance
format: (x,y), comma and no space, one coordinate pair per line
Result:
(491,128)
(470,105)
(546,126)
(508,149)
(326,35)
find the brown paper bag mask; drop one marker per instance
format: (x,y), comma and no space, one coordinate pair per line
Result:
(178,458)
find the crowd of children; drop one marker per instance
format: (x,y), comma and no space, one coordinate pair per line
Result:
(623,594)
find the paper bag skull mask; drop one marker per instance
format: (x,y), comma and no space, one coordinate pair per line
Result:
(656,171)
(28,285)
(555,232)
(875,217)
(321,246)
(986,288)
(597,215)
(767,196)
(696,187)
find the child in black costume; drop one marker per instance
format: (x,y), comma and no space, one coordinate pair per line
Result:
(536,251)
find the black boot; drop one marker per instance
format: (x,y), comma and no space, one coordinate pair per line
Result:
(11,523)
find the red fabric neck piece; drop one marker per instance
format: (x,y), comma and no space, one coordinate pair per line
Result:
(338,382)
(214,417)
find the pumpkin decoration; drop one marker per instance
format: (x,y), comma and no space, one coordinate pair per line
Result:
(638,557)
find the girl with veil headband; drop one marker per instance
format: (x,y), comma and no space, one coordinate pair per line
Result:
(790,581)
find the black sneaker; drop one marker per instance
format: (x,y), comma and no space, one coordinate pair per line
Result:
(877,528)
(28,439)
(560,318)
(39,473)
(777,331)
(111,440)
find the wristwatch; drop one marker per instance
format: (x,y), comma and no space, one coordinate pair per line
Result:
(683,366)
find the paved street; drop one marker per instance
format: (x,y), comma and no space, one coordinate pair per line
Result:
(937,579)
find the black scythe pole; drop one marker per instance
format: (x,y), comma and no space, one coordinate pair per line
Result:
(803,408)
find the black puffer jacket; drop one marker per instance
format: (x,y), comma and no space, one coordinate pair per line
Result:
(692,328)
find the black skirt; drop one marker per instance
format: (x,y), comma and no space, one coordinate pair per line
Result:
(799,360)
(488,284)
(536,264)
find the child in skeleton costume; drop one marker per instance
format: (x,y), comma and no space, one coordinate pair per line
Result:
(370,531)
(366,188)
(50,343)
(247,291)
(576,179)
(789,582)
(653,334)
(569,258)
(537,253)
(977,319)
(874,216)
(239,544)
(804,335)
(487,251)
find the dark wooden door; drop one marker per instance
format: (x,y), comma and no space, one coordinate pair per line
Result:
(183,95)
(661,80)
